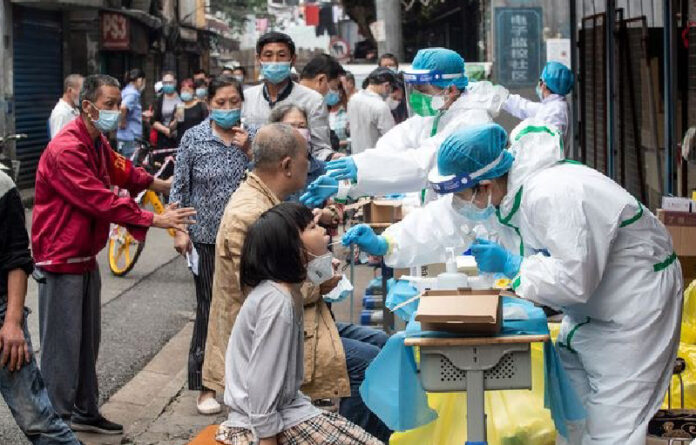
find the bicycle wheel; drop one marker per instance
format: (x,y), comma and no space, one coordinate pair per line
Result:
(124,250)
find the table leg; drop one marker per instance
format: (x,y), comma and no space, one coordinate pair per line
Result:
(387,315)
(475,408)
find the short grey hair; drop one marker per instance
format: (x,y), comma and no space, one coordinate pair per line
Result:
(92,83)
(72,81)
(273,143)
(279,112)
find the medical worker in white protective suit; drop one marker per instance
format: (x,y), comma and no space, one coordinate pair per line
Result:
(556,81)
(440,101)
(582,245)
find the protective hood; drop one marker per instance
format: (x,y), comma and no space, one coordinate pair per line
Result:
(536,146)
(482,95)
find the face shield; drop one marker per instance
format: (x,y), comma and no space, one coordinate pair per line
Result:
(444,184)
(426,91)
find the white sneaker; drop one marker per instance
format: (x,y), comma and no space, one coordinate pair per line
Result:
(208,406)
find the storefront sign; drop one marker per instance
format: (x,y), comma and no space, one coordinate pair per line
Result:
(518,46)
(115,31)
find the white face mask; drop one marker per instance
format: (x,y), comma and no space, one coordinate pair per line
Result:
(320,269)
(392,103)
(438,102)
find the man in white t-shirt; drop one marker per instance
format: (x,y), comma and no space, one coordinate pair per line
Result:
(66,108)
(369,116)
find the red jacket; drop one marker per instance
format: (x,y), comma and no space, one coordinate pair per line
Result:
(73,203)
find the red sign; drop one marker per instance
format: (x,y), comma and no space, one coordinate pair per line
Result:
(115,31)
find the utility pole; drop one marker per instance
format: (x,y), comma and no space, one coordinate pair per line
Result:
(389,12)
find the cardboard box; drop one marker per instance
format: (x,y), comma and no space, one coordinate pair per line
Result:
(383,212)
(682,228)
(676,204)
(462,311)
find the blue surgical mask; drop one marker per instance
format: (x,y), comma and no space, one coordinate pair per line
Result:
(201,93)
(168,89)
(332,98)
(226,118)
(107,121)
(275,72)
(186,97)
(470,211)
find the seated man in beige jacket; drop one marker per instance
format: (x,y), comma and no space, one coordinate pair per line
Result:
(281,164)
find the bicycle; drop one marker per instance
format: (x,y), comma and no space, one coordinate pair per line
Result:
(5,158)
(124,249)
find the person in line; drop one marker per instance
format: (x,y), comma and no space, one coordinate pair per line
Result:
(369,115)
(397,100)
(579,243)
(404,156)
(194,110)
(73,198)
(201,91)
(296,117)
(66,108)
(240,74)
(275,53)
(331,369)
(264,360)
(338,120)
(210,164)
(200,75)
(555,83)
(227,70)
(164,119)
(348,82)
(131,121)
(389,61)
(21,384)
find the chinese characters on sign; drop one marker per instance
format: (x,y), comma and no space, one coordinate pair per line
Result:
(518,55)
(115,31)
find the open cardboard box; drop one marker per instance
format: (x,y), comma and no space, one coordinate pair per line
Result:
(383,211)
(462,311)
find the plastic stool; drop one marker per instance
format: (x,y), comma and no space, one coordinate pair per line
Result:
(206,437)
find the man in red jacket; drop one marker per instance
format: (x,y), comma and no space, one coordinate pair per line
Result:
(73,209)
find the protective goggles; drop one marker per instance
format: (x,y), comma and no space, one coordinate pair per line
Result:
(456,183)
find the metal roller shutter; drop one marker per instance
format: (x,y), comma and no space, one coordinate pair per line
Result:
(38,72)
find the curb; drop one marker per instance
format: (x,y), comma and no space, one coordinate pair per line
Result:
(146,396)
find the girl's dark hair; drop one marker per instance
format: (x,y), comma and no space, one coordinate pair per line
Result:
(273,249)
(222,81)
(133,75)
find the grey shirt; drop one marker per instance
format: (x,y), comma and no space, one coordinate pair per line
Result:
(264,363)
(369,118)
(257,109)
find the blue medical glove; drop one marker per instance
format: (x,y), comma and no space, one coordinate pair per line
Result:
(491,257)
(323,188)
(343,168)
(366,239)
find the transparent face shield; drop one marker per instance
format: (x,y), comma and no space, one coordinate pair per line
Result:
(423,97)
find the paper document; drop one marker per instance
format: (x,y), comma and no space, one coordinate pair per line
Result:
(192,260)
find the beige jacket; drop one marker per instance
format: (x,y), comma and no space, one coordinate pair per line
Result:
(325,372)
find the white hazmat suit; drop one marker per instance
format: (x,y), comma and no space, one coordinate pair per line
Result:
(552,110)
(402,158)
(593,251)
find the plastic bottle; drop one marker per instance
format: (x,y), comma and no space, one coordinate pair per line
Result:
(451,279)
(369,318)
(372,302)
